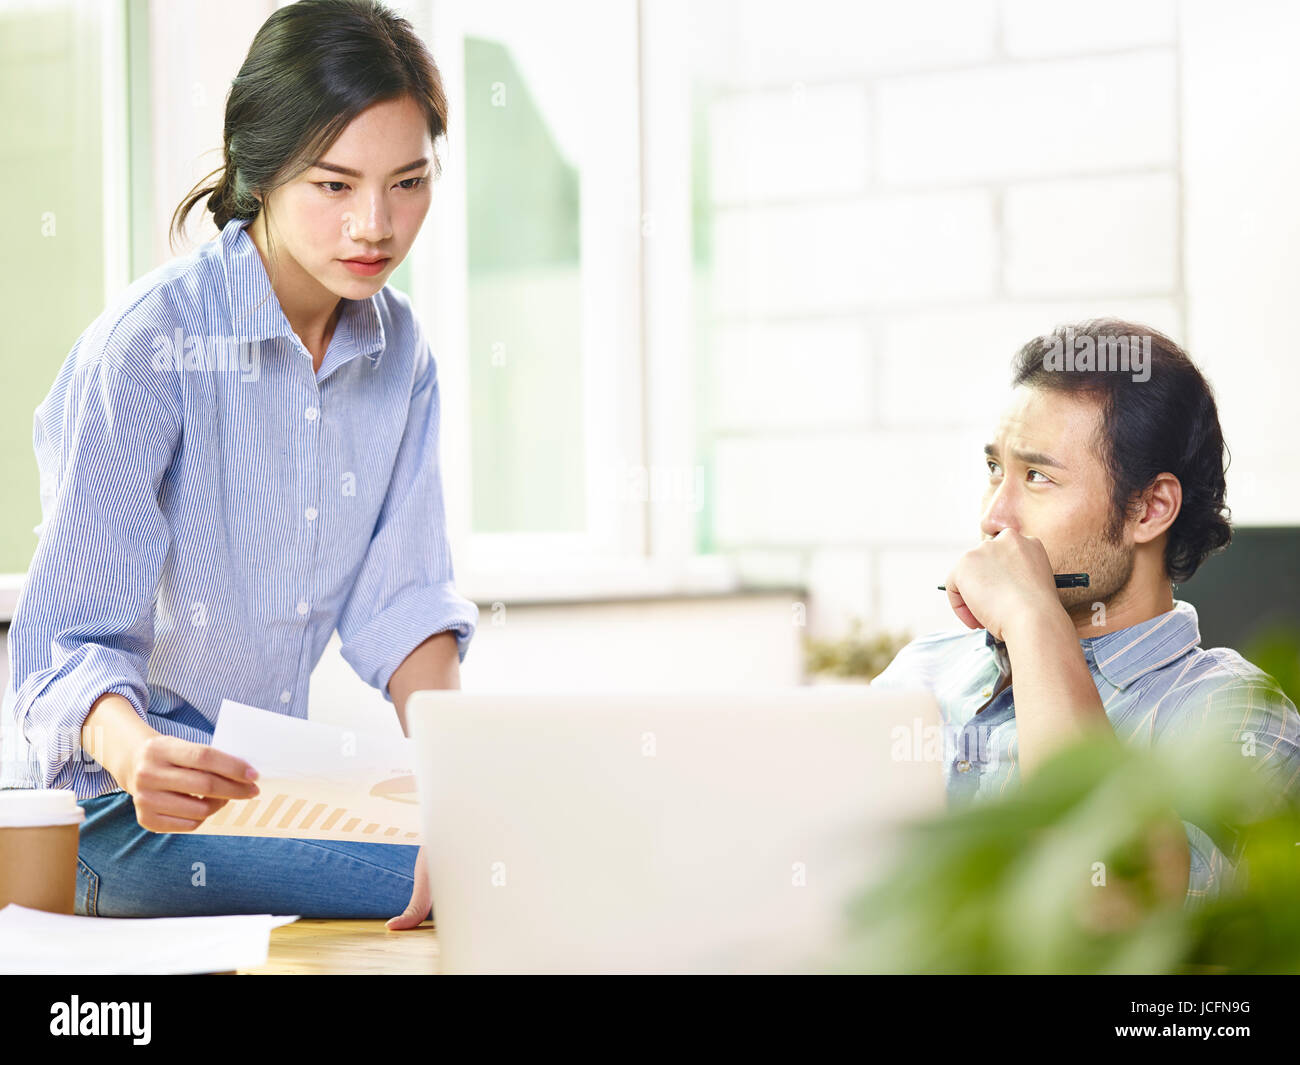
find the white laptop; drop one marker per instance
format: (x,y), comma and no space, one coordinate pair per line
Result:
(650,833)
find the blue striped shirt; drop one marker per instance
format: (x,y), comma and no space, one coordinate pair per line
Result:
(213,510)
(1156,683)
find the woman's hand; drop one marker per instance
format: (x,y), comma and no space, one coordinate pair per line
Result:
(177,784)
(421,898)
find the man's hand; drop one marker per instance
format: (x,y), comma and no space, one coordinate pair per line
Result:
(1006,585)
(1002,581)
(421,898)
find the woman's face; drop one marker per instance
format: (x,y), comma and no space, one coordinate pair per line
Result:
(361,199)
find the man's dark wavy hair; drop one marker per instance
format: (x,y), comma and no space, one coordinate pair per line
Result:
(1168,423)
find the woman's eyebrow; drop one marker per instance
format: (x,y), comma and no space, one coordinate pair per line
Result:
(1029,458)
(322,165)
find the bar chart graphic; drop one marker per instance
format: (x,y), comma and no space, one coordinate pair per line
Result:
(316,781)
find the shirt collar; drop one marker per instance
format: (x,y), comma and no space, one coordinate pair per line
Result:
(257,314)
(1126,654)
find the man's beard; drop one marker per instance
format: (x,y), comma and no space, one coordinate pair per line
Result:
(1109,566)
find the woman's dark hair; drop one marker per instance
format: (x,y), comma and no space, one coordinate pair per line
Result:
(1157,416)
(311,69)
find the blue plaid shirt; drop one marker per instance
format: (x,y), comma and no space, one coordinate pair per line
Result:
(214,509)
(1155,682)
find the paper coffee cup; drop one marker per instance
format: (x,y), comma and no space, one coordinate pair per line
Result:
(39,832)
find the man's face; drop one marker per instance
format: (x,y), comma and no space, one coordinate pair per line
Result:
(1047,479)
(322,217)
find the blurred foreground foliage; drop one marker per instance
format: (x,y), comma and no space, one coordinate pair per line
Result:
(1011,885)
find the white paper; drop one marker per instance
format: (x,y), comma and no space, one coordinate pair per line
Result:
(34,942)
(317,781)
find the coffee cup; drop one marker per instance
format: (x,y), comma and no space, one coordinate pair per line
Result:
(40,829)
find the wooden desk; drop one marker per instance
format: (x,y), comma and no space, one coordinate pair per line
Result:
(363,947)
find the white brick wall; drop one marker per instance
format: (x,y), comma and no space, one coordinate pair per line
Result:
(749,42)
(1036,28)
(846,255)
(908,486)
(910,576)
(1110,236)
(796,142)
(990,123)
(902,194)
(1243,239)
(791,374)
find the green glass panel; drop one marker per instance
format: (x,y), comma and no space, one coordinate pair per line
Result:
(51,181)
(525,311)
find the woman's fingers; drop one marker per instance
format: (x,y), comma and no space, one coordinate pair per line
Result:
(193,782)
(158,823)
(187,810)
(177,784)
(228,774)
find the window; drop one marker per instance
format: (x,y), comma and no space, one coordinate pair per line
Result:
(533,247)
(61,70)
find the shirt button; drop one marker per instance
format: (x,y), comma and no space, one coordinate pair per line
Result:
(285,696)
(963,766)
(311,513)
(310,414)
(302,606)
(987,692)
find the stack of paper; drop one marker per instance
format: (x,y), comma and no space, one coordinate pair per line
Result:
(35,942)
(317,781)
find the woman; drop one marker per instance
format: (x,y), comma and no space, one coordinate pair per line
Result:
(236,458)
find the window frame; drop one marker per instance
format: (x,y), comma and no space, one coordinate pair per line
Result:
(643,272)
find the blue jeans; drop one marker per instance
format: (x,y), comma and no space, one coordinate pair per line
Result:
(124,870)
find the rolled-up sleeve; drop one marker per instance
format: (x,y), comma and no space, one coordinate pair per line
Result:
(405,591)
(84,622)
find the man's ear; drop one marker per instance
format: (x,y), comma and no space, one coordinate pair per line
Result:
(1161,503)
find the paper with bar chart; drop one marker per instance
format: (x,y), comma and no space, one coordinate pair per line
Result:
(317,781)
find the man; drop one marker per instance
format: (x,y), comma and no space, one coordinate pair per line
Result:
(1107,461)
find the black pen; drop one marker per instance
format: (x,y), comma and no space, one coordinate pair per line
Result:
(1063,580)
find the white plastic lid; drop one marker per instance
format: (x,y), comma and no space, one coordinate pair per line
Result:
(29,807)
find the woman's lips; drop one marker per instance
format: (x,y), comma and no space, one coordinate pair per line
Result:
(365,269)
